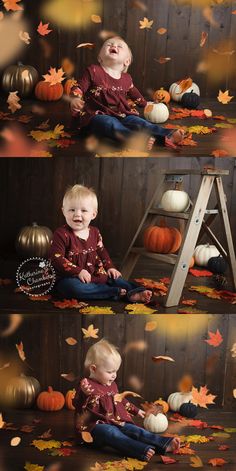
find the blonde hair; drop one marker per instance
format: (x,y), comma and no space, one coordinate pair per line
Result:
(81,192)
(129,50)
(99,352)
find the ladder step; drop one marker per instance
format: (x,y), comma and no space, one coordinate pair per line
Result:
(171,214)
(161,257)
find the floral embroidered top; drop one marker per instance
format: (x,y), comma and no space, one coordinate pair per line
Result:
(97,403)
(69,254)
(104,94)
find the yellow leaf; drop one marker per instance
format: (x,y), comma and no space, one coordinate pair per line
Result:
(202,398)
(196,462)
(15,441)
(46,444)
(67,66)
(161,30)
(224,97)
(139,308)
(145,23)
(96,18)
(54,76)
(90,332)
(13,102)
(132,464)
(33,467)
(150,326)
(97,310)
(120,396)
(71,341)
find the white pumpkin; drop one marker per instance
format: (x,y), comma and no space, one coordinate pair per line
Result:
(203,253)
(176,399)
(176,92)
(175,201)
(156,423)
(156,112)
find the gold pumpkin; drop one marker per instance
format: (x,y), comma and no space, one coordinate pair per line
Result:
(22,391)
(22,78)
(33,241)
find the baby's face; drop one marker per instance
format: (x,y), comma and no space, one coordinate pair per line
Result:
(79,212)
(115,51)
(106,372)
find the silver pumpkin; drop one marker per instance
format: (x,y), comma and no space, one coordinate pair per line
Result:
(22,391)
(21,78)
(33,241)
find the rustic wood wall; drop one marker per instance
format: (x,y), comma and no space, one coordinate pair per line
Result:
(32,190)
(184,22)
(179,336)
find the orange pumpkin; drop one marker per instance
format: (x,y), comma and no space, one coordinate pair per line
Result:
(46,92)
(161,96)
(69,396)
(50,400)
(162,403)
(69,83)
(162,239)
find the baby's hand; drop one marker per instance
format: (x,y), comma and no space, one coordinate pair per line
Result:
(76,105)
(141,413)
(85,276)
(113,273)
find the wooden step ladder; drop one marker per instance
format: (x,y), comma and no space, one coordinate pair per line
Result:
(195,227)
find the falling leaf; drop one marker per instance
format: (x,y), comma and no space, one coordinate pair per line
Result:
(120,396)
(208,15)
(20,349)
(167,460)
(97,310)
(46,444)
(135,383)
(14,322)
(161,358)
(15,441)
(87,437)
(202,398)
(217,462)
(220,153)
(105,34)
(91,332)
(185,384)
(145,23)
(71,341)
(163,60)
(214,339)
(150,326)
(12,5)
(161,31)
(204,37)
(138,4)
(68,67)
(69,376)
(139,308)
(196,462)
(54,76)
(25,37)
(96,18)
(46,434)
(224,97)
(13,102)
(6,365)
(43,29)
(88,45)
(139,345)
(33,467)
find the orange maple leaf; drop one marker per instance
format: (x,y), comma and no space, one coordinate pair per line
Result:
(217,461)
(96,18)
(224,97)
(214,339)
(145,23)
(20,349)
(220,153)
(202,398)
(54,76)
(12,5)
(43,29)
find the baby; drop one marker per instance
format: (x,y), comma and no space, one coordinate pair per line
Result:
(82,264)
(105,99)
(100,411)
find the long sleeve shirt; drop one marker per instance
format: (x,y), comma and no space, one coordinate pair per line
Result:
(69,254)
(104,94)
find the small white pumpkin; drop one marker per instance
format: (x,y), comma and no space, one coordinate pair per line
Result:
(156,423)
(203,253)
(176,92)
(156,112)
(175,201)
(176,399)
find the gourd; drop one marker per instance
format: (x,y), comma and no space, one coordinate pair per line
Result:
(190,100)
(161,96)
(33,241)
(69,83)
(176,399)
(156,112)
(203,253)
(156,423)
(163,404)
(188,410)
(69,398)
(46,92)
(50,400)
(175,201)
(22,391)
(22,78)
(217,265)
(162,239)
(176,90)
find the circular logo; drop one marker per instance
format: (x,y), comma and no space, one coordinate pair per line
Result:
(35,276)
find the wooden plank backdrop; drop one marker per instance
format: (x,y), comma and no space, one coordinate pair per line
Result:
(32,190)
(179,336)
(183,20)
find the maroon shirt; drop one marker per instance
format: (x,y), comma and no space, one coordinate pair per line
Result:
(104,94)
(69,254)
(96,403)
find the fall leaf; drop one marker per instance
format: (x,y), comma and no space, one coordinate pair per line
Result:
(161,31)
(189,302)
(62,452)
(190,310)
(54,76)
(150,326)
(139,308)
(6,365)
(97,310)
(135,383)
(13,102)
(220,153)
(14,322)
(25,37)
(194,438)
(224,97)
(27,428)
(185,450)
(222,435)
(202,398)
(69,376)
(167,460)
(20,349)
(197,129)
(185,384)
(46,444)
(43,298)
(196,462)
(230,429)
(120,396)
(96,19)
(198,273)
(91,332)
(214,339)
(217,462)
(12,5)
(33,467)
(15,441)
(43,29)
(2,423)
(139,345)
(163,60)
(145,23)
(138,4)
(223,447)
(46,434)
(161,358)
(203,39)
(69,303)
(88,45)
(87,437)
(155,285)
(68,68)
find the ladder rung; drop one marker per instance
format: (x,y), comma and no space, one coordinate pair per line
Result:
(170,214)
(161,257)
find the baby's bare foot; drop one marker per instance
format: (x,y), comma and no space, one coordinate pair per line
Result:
(175,138)
(174,445)
(123,292)
(150,143)
(150,453)
(143,296)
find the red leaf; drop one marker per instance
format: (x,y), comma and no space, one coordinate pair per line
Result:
(168,460)
(198,273)
(214,339)
(223,447)
(217,462)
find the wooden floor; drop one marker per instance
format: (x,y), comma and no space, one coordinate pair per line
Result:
(61,425)
(58,113)
(19,302)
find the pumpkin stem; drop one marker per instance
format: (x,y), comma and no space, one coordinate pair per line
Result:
(50,389)
(34,224)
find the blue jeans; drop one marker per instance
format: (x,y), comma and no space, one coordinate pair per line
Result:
(110,126)
(129,439)
(73,288)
